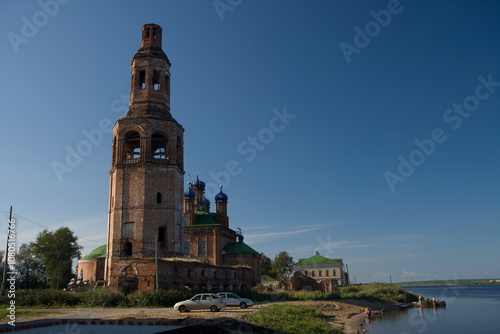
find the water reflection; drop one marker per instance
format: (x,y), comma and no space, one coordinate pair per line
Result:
(417,320)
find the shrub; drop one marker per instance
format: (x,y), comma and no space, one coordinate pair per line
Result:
(102,297)
(42,298)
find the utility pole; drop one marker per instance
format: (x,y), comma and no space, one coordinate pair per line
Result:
(348,276)
(156,264)
(6,262)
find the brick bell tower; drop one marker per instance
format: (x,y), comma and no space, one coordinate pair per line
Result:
(147,172)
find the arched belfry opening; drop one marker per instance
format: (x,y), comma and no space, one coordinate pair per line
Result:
(133,145)
(159,146)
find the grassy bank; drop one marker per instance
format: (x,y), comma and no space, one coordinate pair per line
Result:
(102,297)
(292,319)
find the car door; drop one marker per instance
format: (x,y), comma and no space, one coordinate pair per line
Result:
(206,302)
(195,303)
(232,299)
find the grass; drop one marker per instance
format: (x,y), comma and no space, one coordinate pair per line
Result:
(49,298)
(377,292)
(374,292)
(293,319)
(267,278)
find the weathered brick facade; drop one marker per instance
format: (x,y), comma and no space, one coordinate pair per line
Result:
(139,274)
(147,209)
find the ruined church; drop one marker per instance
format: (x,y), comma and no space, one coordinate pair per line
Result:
(159,233)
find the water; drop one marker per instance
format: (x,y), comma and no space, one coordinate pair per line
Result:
(469,309)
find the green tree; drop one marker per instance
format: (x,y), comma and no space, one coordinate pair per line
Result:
(30,269)
(282,266)
(57,250)
(265,266)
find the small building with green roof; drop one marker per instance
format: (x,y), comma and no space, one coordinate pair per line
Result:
(320,267)
(91,266)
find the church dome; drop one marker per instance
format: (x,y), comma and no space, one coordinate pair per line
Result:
(99,251)
(189,194)
(221,197)
(207,202)
(198,184)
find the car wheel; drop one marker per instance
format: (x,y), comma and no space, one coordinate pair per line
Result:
(214,308)
(243,305)
(182,309)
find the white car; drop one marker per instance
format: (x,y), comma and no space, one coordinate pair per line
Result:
(230,299)
(202,301)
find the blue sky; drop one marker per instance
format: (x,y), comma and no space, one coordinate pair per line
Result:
(365,130)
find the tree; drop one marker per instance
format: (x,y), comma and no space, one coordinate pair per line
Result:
(265,266)
(57,250)
(30,269)
(283,266)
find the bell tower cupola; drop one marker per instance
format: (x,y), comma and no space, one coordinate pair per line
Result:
(150,85)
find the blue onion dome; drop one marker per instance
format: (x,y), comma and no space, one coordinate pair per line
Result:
(198,184)
(207,202)
(221,197)
(189,193)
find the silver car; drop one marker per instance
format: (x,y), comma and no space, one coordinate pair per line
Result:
(202,301)
(231,299)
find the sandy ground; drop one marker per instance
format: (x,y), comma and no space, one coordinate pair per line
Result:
(347,314)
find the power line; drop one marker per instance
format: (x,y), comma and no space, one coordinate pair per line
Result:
(49,228)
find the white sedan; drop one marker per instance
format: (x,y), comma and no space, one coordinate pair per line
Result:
(231,299)
(203,301)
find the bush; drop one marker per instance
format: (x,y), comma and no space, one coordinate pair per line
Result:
(102,297)
(292,319)
(42,298)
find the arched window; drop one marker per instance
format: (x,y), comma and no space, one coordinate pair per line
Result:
(158,198)
(133,144)
(156,80)
(179,153)
(159,146)
(113,155)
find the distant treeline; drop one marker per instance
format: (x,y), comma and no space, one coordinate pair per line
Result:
(457,282)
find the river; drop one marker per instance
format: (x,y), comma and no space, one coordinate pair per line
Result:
(469,309)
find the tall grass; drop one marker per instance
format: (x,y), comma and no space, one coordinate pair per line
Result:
(167,298)
(294,319)
(377,292)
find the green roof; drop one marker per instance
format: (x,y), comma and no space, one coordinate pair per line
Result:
(318,259)
(205,218)
(239,247)
(101,250)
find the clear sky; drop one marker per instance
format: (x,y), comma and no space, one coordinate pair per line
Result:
(364,130)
